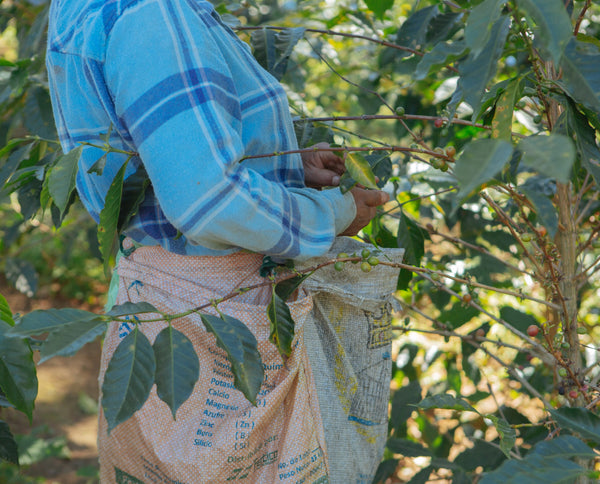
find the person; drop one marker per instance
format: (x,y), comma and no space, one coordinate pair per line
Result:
(168,81)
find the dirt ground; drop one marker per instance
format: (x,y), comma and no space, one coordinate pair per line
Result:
(68,388)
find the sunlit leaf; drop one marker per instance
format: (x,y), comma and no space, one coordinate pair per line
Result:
(5,312)
(360,170)
(241,347)
(379,7)
(177,367)
(480,161)
(551,155)
(61,180)
(70,338)
(18,377)
(128,378)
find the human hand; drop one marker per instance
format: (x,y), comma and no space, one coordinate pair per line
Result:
(322,168)
(366,202)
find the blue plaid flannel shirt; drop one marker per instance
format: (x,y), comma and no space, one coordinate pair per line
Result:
(171,82)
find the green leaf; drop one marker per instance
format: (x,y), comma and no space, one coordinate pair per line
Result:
(551,155)
(563,446)
(458,315)
(48,320)
(8,446)
(413,31)
(379,7)
(385,469)
(21,274)
(403,403)
(508,435)
(128,378)
(447,401)
(241,347)
(585,141)
(129,308)
(422,477)
(544,209)
(442,26)
(482,454)
(480,22)
(18,378)
(98,166)
(286,288)
(272,49)
(476,71)
(5,312)
(579,420)
(535,469)
(407,448)
(177,367)
(15,158)
(503,115)
(61,179)
(581,76)
(282,325)
(134,193)
(412,239)
(109,217)
(517,319)
(553,23)
(70,338)
(360,170)
(480,161)
(442,54)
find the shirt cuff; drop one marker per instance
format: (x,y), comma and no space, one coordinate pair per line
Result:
(344,208)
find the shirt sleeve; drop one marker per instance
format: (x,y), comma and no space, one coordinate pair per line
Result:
(176,96)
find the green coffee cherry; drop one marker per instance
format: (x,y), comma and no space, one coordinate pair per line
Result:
(365,266)
(400,110)
(342,255)
(373,260)
(365,253)
(562,372)
(339,266)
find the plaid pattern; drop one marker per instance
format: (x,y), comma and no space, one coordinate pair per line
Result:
(172,83)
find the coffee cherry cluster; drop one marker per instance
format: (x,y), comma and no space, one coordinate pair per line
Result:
(366,264)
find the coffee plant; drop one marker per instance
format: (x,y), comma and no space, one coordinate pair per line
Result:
(481,118)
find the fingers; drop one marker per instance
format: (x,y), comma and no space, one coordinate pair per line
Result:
(374,198)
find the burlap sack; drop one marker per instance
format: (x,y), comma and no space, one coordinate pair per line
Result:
(218,435)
